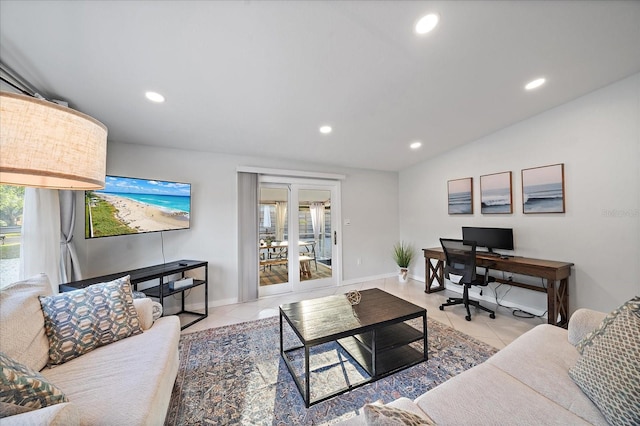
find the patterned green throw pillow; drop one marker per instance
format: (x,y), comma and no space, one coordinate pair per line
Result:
(79,321)
(608,371)
(23,387)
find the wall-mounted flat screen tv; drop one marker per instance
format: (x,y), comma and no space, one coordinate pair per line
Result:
(135,206)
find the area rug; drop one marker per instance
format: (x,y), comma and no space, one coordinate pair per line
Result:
(235,375)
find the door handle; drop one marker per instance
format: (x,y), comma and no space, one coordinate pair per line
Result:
(335,238)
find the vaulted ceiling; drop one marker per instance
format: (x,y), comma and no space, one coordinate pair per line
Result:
(260,77)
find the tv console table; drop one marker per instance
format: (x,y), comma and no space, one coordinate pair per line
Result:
(556,274)
(163,289)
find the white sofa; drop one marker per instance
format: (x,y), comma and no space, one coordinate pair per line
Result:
(525,383)
(128,382)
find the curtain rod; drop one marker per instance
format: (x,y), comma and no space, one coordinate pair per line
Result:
(13,79)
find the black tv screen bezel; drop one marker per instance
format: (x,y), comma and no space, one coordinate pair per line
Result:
(162,181)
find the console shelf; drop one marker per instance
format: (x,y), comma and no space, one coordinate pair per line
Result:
(162,289)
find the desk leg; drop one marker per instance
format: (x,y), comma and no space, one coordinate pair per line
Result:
(552,313)
(562,302)
(558,303)
(433,272)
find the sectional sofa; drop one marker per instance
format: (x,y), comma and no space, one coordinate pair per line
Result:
(126,382)
(588,374)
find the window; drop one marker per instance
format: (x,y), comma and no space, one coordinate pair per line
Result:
(11,202)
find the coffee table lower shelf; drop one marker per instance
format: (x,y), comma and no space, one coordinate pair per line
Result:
(387,362)
(390,353)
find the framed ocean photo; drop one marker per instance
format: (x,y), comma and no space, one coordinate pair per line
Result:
(460,193)
(543,189)
(495,193)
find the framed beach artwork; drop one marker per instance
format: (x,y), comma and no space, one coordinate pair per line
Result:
(495,193)
(543,189)
(460,193)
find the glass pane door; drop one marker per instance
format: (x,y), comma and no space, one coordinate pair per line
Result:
(315,245)
(274,239)
(298,229)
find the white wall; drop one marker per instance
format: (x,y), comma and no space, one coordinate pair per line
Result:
(213,235)
(597,137)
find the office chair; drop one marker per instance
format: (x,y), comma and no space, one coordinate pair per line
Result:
(460,268)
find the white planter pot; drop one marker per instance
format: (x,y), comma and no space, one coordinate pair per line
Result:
(403,275)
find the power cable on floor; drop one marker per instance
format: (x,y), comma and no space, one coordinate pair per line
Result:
(516,312)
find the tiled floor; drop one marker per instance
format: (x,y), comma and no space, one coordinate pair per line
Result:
(496,332)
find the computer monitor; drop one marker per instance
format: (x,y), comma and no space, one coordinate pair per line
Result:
(491,238)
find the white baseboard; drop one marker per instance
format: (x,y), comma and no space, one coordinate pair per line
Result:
(491,299)
(363,279)
(199,306)
(487,297)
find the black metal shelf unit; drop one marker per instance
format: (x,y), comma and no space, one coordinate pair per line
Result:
(162,289)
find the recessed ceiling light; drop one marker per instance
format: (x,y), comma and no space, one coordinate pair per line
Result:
(415,145)
(535,83)
(427,23)
(325,129)
(154,97)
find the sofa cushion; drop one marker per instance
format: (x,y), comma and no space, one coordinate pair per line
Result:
(20,385)
(609,368)
(128,382)
(486,395)
(382,415)
(541,359)
(79,321)
(22,334)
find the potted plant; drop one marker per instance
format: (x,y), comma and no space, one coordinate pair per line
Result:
(402,255)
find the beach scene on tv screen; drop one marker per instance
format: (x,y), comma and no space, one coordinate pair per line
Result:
(133,206)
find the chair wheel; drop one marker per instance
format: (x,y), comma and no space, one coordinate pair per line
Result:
(441,308)
(492,316)
(468,317)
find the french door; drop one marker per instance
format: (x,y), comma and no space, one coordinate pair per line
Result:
(299,248)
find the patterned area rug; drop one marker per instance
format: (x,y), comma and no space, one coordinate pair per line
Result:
(235,375)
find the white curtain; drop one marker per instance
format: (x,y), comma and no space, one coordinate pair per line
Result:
(317,222)
(40,248)
(69,263)
(281,219)
(317,218)
(266,217)
(248,245)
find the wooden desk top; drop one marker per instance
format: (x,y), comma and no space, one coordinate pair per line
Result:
(549,269)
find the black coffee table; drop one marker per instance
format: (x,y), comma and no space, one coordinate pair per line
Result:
(374,333)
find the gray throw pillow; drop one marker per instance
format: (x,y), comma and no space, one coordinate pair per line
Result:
(79,321)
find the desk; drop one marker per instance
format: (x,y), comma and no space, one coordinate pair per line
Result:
(556,274)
